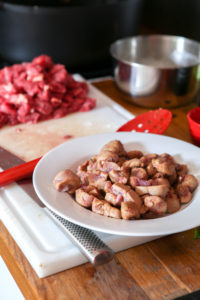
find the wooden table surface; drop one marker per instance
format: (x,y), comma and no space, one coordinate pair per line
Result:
(162,269)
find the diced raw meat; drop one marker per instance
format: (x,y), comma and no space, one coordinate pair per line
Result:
(129,210)
(102,207)
(48,90)
(67,181)
(130,185)
(43,60)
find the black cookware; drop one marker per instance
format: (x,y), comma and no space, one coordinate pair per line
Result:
(73,32)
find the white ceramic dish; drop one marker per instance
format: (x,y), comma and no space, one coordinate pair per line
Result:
(76,151)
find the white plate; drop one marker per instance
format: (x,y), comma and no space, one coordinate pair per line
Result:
(76,151)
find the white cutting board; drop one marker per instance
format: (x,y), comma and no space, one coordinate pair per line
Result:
(29,141)
(43,242)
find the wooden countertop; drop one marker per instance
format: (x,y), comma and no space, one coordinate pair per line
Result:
(162,269)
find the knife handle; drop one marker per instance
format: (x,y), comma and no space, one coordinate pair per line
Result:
(18,172)
(87,241)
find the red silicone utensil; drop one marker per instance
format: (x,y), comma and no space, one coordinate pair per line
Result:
(154,121)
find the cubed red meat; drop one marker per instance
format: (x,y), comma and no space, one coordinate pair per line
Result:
(44,61)
(39,90)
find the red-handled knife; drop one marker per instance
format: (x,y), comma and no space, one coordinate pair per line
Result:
(154,121)
(19,172)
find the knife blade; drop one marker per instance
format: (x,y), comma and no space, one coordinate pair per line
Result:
(86,240)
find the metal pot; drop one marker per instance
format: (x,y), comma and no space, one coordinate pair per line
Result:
(157,70)
(75,33)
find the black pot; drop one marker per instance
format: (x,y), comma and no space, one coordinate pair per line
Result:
(76,33)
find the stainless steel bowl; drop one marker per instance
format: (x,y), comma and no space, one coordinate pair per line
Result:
(157,70)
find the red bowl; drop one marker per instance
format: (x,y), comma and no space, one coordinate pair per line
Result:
(193,118)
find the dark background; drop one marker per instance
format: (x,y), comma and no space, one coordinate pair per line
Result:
(80,36)
(176,17)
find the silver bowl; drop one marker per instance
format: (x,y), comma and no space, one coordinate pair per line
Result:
(157,70)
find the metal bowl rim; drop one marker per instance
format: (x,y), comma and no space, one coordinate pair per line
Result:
(157,36)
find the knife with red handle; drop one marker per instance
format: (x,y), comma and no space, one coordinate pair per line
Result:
(153,121)
(19,172)
(93,247)
(88,242)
